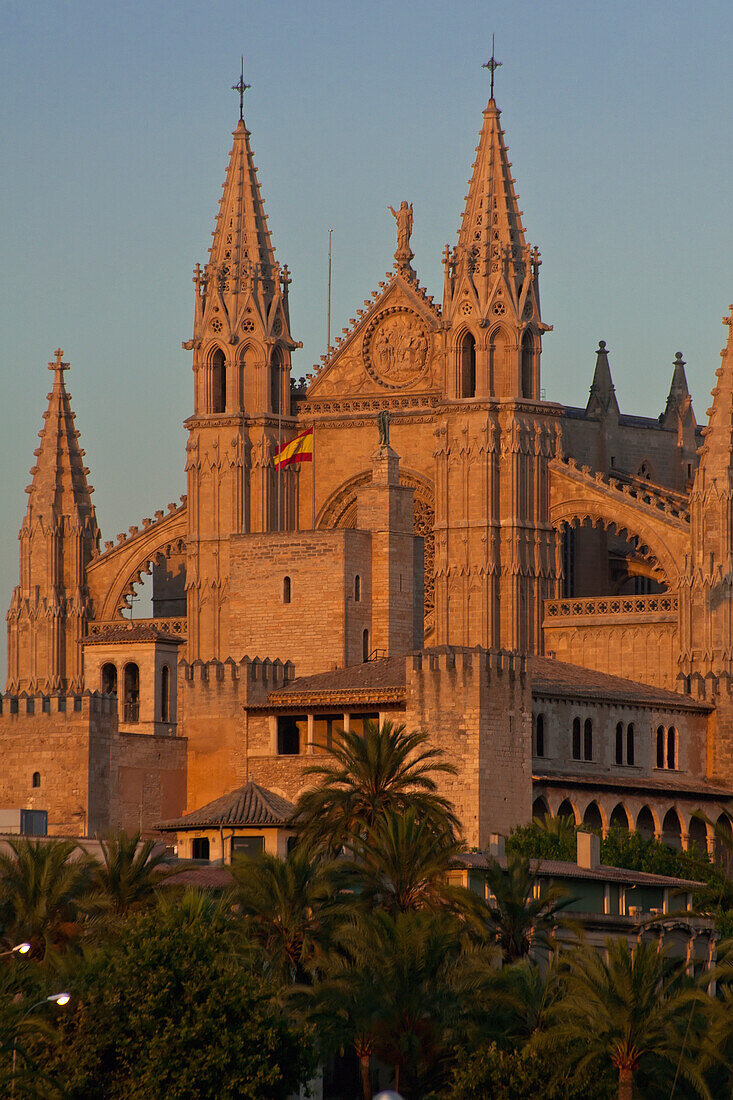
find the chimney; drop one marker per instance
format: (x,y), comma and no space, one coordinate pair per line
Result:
(589,851)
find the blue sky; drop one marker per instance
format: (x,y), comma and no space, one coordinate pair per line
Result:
(117,124)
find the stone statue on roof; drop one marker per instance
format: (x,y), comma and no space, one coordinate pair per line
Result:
(403,217)
(383,425)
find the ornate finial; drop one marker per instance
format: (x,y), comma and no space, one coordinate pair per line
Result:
(57,365)
(492,65)
(729,319)
(241,87)
(601,345)
(678,360)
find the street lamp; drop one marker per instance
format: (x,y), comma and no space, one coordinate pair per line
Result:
(55,998)
(19,949)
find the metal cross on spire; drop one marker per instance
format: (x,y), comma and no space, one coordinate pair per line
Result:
(492,65)
(241,87)
(57,365)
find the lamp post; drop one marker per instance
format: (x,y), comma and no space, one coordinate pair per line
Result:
(19,949)
(57,998)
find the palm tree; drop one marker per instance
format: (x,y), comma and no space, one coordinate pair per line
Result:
(292,908)
(128,875)
(40,887)
(398,989)
(629,1010)
(403,862)
(521,912)
(385,768)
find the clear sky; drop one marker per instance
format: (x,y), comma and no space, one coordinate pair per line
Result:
(116,128)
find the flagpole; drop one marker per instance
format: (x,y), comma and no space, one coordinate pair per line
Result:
(328,330)
(280,458)
(313,482)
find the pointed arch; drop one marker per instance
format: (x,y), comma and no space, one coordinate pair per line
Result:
(499,374)
(467,364)
(619,818)
(218,388)
(250,354)
(527,366)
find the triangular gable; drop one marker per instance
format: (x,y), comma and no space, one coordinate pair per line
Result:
(392,348)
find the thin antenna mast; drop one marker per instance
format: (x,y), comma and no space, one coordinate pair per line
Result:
(328,330)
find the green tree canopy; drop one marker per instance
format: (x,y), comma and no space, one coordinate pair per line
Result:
(176,1008)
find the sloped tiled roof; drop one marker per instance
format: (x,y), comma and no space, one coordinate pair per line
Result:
(248,805)
(669,783)
(551,677)
(380,679)
(557,868)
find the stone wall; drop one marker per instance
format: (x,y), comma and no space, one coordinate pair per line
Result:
(211,700)
(92,777)
(476,705)
(321,626)
(639,651)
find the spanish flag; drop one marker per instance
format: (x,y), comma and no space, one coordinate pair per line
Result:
(299,449)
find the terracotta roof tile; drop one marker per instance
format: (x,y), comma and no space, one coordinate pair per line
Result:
(369,678)
(671,782)
(551,677)
(248,805)
(557,868)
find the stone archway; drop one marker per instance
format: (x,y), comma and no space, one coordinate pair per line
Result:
(340,511)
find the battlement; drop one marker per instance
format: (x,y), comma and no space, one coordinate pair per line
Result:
(478,659)
(267,673)
(84,704)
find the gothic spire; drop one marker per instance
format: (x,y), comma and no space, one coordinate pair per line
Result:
(679,394)
(241,241)
(716,453)
(491,235)
(602,391)
(59,489)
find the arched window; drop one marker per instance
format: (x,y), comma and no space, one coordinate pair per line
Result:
(218,382)
(276,380)
(540,809)
(645,823)
(576,739)
(365,645)
(619,742)
(165,693)
(565,809)
(468,365)
(630,746)
(671,747)
(357,589)
(660,746)
(132,693)
(540,735)
(619,818)
(527,365)
(588,740)
(592,817)
(497,365)
(672,830)
(36,780)
(287,590)
(109,679)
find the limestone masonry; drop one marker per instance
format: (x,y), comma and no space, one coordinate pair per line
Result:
(546,590)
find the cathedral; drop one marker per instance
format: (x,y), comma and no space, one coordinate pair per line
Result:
(411,531)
